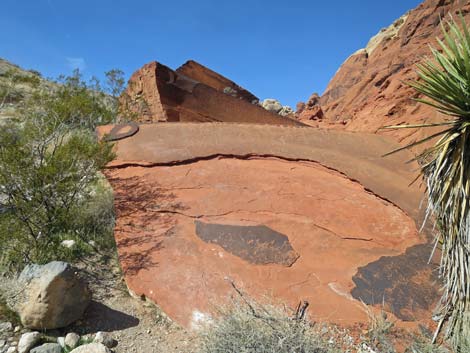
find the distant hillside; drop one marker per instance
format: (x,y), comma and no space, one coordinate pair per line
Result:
(16,84)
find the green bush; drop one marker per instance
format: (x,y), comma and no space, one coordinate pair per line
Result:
(50,185)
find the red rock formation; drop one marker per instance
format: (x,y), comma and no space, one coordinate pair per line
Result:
(157,94)
(368,91)
(212,79)
(310,111)
(269,208)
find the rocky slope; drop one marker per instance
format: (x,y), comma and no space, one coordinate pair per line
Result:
(369,91)
(16,84)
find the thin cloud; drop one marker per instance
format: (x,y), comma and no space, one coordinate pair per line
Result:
(76,63)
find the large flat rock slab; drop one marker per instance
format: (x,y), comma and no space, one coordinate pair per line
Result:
(293,213)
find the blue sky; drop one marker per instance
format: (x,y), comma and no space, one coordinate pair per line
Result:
(276,49)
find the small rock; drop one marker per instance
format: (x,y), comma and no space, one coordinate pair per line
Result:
(71,340)
(69,244)
(61,341)
(6,326)
(2,343)
(28,341)
(106,339)
(11,350)
(91,348)
(17,329)
(47,348)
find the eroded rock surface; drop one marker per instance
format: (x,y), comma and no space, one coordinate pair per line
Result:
(215,80)
(193,93)
(330,203)
(369,91)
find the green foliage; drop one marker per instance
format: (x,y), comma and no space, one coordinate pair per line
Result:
(445,82)
(115,82)
(50,186)
(47,174)
(74,102)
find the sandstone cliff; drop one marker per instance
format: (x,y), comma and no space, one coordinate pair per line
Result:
(369,91)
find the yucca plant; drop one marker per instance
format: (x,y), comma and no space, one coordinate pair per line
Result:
(444,81)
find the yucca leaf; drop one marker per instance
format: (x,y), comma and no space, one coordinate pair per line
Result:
(445,85)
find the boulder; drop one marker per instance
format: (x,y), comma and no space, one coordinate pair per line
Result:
(27,341)
(71,340)
(91,348)
(286,111)
(271,105)
(51,296)
(47,348)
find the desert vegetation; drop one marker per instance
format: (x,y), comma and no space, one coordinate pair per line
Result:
(51,190)
(444,81)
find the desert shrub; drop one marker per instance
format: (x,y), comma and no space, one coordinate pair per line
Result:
(378,333)
(74,102)
(249,327)
(425,345)
(50,186)
(47,178)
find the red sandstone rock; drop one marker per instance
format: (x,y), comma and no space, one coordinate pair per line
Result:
(368,92)
(158,94)
(296,213)
(212,79)
(310,111)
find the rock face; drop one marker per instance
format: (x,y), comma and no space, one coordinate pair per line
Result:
(368,92)
(192,93)
(212,79)
(294,213)
(310,111)
(51,296)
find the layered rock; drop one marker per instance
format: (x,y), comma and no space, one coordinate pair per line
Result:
(294,213)
(369,90)
(158,94)
(215,80)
